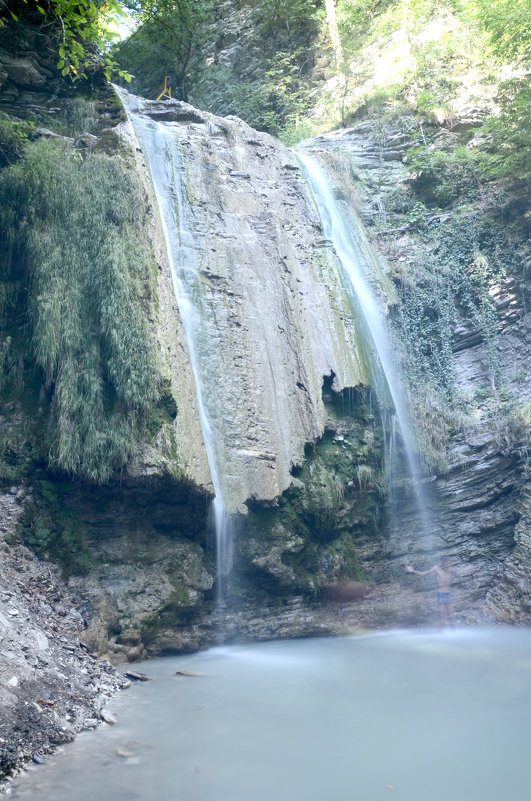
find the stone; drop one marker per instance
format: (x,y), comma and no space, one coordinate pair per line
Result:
(133,674)
(108,716)
(176,111)
(87,141)
(22,70)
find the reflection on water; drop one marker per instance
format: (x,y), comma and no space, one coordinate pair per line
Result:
(405,715)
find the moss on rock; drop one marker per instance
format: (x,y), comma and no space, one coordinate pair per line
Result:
(308,540)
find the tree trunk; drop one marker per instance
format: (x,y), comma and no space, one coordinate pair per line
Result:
(333,30)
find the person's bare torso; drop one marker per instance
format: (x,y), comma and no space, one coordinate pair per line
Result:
(444,579)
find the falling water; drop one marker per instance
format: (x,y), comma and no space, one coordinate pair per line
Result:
(160,147)
(391,457)
(353,251)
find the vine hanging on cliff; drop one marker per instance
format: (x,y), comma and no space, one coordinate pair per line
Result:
(75,228)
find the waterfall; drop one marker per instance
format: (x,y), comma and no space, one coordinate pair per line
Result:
(160,148)
(355,256)
(263,320)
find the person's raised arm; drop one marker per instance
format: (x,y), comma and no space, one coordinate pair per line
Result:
(409,569)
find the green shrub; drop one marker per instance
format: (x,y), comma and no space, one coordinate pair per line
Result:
(442,177)
(14,136)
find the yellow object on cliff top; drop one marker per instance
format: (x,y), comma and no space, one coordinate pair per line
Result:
(162,91)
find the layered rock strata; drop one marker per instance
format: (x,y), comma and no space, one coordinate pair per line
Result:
(479,511)
(271,314)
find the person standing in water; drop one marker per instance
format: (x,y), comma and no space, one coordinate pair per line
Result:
(443,574)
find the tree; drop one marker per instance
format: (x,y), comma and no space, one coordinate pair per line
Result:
(333,31)
(80,30)
(508,22)
(178,26)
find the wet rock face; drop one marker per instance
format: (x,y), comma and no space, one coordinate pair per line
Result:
(509,596)
(480,514)
(308,539)
(151,561)
(274,316)
(143,584)
(475,507)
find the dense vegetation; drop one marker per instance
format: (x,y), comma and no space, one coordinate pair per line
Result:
(297,67)
(77,289)
(182,39)
(278,65)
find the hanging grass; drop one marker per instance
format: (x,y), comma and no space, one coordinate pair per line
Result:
(75,227)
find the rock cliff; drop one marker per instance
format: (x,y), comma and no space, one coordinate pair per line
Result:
(479,493)
(272,315)
(277,324)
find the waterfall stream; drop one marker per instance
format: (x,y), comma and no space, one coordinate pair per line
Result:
(184,230)
(160,147)
(355,255)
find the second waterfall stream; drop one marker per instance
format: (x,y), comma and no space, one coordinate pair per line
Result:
(355,255)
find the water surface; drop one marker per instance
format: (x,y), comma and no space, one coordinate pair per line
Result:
(401,715)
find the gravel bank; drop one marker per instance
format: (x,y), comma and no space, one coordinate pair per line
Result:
(51,685)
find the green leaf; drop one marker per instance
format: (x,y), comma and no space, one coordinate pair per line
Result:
(14,16)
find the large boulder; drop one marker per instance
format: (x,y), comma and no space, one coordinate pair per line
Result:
(22,70)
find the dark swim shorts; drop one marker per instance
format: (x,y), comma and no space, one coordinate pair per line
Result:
(444,598)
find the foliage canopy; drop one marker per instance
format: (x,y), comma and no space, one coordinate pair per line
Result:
(81,30)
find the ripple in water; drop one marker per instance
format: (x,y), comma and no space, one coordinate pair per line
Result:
(407,715)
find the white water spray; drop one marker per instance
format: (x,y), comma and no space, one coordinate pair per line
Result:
(353,251)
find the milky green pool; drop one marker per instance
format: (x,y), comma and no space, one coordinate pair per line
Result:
(413,715)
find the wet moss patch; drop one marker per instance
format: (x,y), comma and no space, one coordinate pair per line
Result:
(308,539)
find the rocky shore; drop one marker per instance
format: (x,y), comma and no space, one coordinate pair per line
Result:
(51,684)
